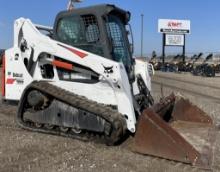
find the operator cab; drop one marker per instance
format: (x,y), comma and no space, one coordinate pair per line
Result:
(98,29)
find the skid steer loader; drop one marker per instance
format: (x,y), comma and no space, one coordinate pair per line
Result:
(78,79)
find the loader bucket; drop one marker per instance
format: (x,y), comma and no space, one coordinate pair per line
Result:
(175,129)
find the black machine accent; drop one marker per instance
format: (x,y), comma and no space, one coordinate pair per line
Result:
(144,98)
(63,115)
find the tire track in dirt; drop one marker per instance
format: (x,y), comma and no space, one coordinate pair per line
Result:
(197,89)
(189,80)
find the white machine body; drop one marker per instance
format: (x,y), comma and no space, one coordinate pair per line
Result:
(112,89)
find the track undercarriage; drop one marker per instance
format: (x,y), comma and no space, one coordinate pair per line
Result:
(48,109)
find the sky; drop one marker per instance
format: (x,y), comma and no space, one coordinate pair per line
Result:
(203,14)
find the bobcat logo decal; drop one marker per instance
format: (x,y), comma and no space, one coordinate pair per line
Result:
(108,69)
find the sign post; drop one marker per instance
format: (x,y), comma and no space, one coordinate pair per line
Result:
(174,34)
(163,54)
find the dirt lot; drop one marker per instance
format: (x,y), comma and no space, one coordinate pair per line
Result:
(21,150)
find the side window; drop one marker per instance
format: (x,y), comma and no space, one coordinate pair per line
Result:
(115,29)
(78,31)
(115,34)
(70,31)
(81,32)
(92,29)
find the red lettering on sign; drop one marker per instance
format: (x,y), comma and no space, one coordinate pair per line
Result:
(174,24)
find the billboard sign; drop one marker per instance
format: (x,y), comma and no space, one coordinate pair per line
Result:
(174,40)
(174,26)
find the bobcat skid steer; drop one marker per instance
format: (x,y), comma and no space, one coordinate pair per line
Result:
(78,79)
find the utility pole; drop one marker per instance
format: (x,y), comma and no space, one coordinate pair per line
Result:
(142,33)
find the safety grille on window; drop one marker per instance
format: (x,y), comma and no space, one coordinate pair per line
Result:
(75,31)
(92,29)
(81,32)
(115,33)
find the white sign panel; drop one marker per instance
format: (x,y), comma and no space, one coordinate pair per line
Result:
(174,40)
(174,26)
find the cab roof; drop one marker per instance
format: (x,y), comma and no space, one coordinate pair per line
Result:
(99,10)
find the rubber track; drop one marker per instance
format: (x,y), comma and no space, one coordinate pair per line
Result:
(112,116)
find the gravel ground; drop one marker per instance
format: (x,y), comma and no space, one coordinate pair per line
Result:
(21,150)
(212,81)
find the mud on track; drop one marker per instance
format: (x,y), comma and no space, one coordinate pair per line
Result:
(21,150)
